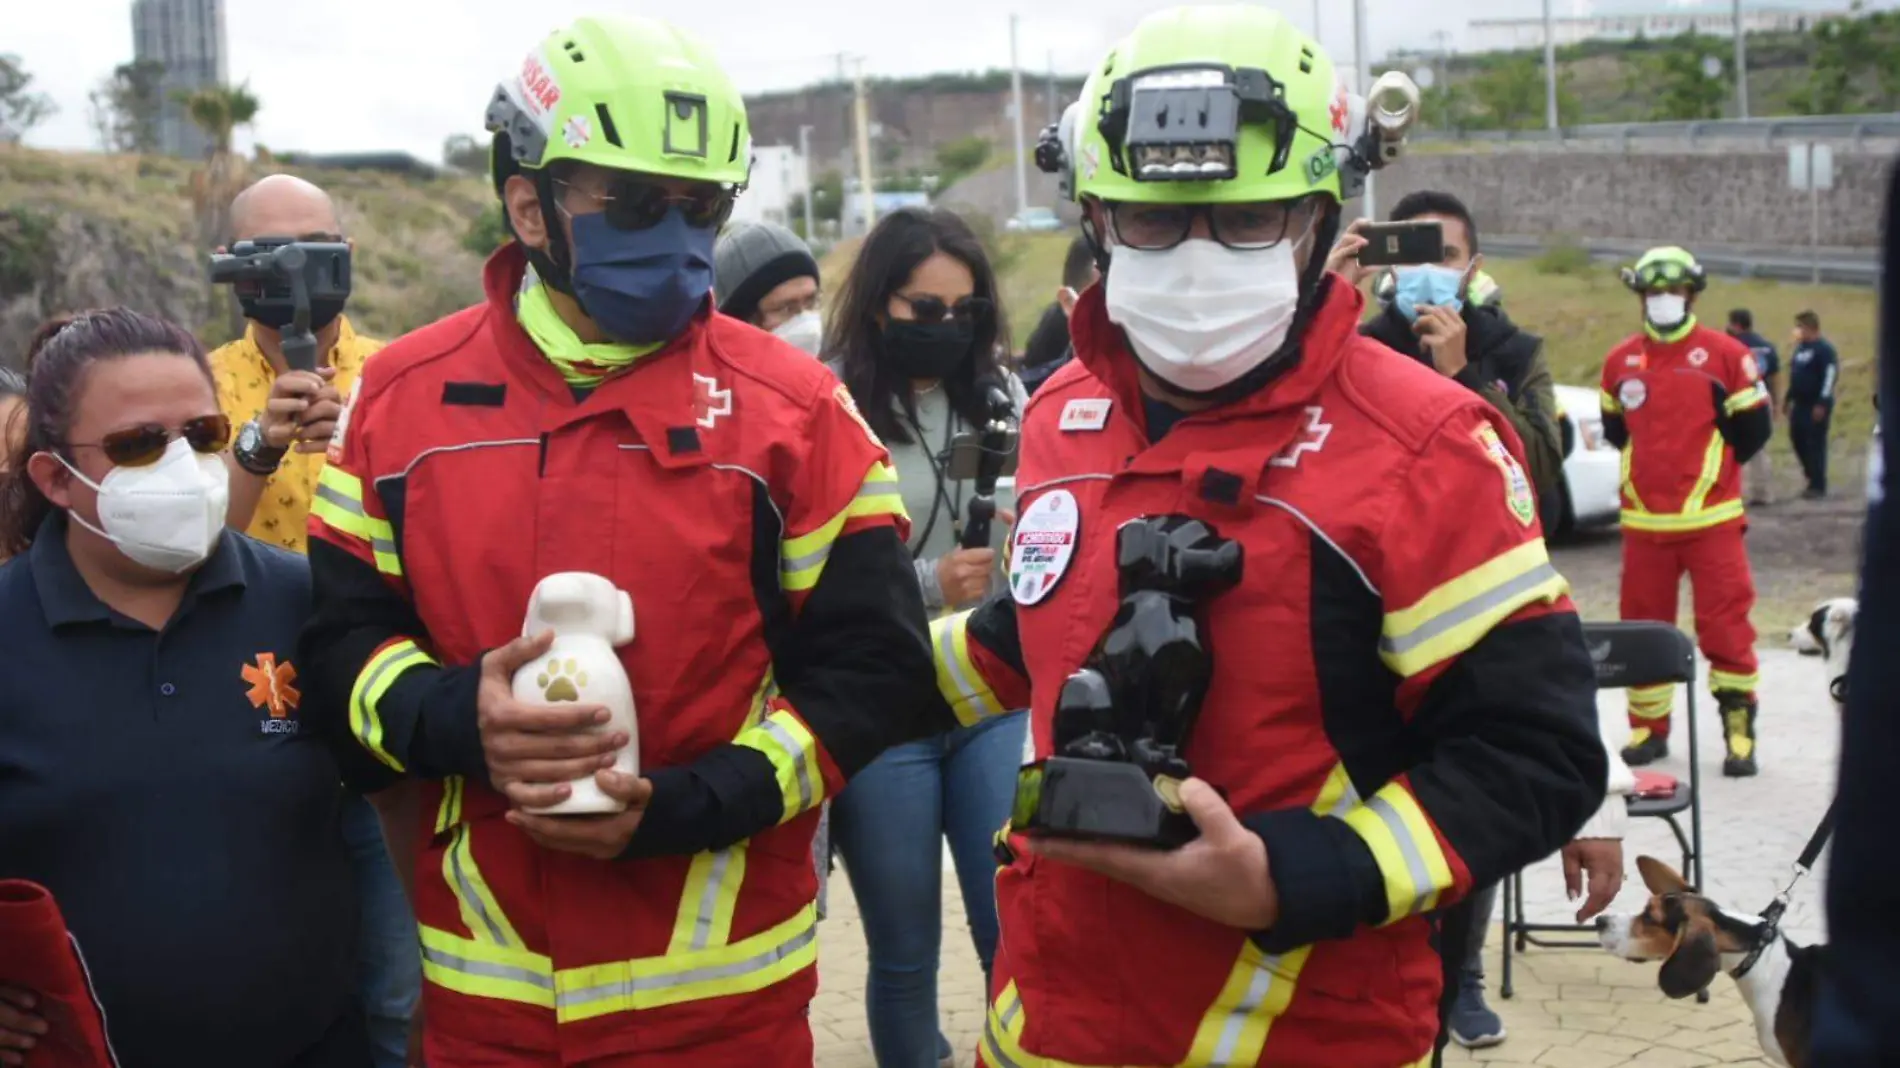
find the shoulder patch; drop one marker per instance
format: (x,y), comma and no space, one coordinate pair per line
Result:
(850,406)
(1518,496)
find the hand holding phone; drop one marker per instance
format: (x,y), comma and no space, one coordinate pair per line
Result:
(1402,244)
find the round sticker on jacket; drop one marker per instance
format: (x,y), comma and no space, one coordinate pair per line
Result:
(1042,545)
(1632,393)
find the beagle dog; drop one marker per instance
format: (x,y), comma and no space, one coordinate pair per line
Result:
(1695,938)
(1829,634)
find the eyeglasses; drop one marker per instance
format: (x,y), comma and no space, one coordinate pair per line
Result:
(634,203)
(140,446)
(928,309)
(1243,227)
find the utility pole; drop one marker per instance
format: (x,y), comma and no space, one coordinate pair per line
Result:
(1550,72)
(865,188)
(1362,76)
(1016,106)
(804,160)
(1315,20)
(1741,63)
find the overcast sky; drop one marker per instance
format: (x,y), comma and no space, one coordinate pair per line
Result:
(337,75)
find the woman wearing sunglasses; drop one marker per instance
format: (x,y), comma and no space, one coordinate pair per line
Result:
(915,336)
(153,773)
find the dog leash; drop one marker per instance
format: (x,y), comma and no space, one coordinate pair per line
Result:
(1771,916)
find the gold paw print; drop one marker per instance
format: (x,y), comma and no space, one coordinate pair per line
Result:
(561,680)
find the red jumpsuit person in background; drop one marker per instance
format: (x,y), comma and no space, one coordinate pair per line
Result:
(1687,406)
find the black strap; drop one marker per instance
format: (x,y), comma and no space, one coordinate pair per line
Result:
(1815,844)
(1771,916)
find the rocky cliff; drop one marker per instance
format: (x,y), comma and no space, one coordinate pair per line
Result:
(81,230)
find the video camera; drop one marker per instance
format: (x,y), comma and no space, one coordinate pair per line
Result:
(279,273)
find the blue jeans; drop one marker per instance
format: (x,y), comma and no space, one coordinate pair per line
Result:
(388,955)
(889,825)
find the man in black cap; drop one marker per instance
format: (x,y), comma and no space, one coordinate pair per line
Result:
(766,275)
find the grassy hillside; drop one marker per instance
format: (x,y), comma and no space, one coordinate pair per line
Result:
(410,265)
(1580,315)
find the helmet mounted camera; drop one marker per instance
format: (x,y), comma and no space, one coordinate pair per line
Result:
(1182,123)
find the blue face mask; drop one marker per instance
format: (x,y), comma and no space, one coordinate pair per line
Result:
(1426,284)
(642,286)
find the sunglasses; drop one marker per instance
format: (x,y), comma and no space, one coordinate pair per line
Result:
(140,446)
(928,310)
(633,204)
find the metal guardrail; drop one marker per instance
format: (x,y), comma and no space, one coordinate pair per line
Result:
(1836,266)
(1851,128)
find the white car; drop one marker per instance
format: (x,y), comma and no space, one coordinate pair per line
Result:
(1593,468)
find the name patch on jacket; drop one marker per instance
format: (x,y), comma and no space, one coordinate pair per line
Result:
(1518,495)
(1088,414)
(1042,545)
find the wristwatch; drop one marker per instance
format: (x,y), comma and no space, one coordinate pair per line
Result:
(253,454)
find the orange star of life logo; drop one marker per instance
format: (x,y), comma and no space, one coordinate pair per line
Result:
(271,685)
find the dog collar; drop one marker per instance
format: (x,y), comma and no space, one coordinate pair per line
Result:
(1765,937)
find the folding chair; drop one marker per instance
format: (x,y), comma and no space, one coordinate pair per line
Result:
(1626,655)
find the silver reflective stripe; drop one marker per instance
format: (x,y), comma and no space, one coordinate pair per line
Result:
(329,493)
(486,970)
(1466,612)
(993,1043)
(1257,987)
(465,890)
(806,797)
(393,665)
(806,562)
(947,656)
(709,899)
(570,999)
(1348,798)
(1414,861)
(385,546)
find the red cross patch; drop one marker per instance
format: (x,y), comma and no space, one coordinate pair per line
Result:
(1341,111)
(709,401)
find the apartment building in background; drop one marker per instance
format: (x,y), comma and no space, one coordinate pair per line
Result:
(1651,19)
(187,38)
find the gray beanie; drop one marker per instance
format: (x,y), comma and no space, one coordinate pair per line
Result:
(753,258)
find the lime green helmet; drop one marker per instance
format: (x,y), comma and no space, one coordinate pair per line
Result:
(1227,104)
(633,94)
(1663,267)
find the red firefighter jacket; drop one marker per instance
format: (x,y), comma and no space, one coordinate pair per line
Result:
(1687,409)
(1402,706)
(727,483)
(43,958)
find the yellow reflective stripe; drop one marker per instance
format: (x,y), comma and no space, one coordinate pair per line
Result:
(1452,618)
(789,745)
(1753,397)
(707,904)
(1705,480)
(1656,522)
(878,495)
(1611,406)
(1259,987)
(449,812)
(1629,483)
(486,971)
(1405,848)
(377,676)
(1651,702)
(802,559)
(1003,1035)
(481,913)
(1729,680)
(957,678)
(338,501)
(742,967)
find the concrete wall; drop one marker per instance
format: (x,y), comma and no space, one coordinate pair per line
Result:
(1736,196)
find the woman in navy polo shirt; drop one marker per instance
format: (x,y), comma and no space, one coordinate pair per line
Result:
(154,774)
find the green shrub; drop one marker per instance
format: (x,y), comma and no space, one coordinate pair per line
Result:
(1565,255)
(26,250)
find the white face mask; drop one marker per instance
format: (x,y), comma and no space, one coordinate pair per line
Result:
(166,515)
(1200,315)
(805,330)
(1666,310)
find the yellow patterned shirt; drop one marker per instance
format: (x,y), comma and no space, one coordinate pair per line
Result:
(244,378)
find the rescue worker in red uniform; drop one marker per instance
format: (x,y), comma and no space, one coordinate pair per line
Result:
(1401,706)
(595,415)
(1687,406)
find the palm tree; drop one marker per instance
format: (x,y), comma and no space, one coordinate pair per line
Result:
(218,110)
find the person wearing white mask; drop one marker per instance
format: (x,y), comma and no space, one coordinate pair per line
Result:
(1399,708)
(766,275)
(155,775)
